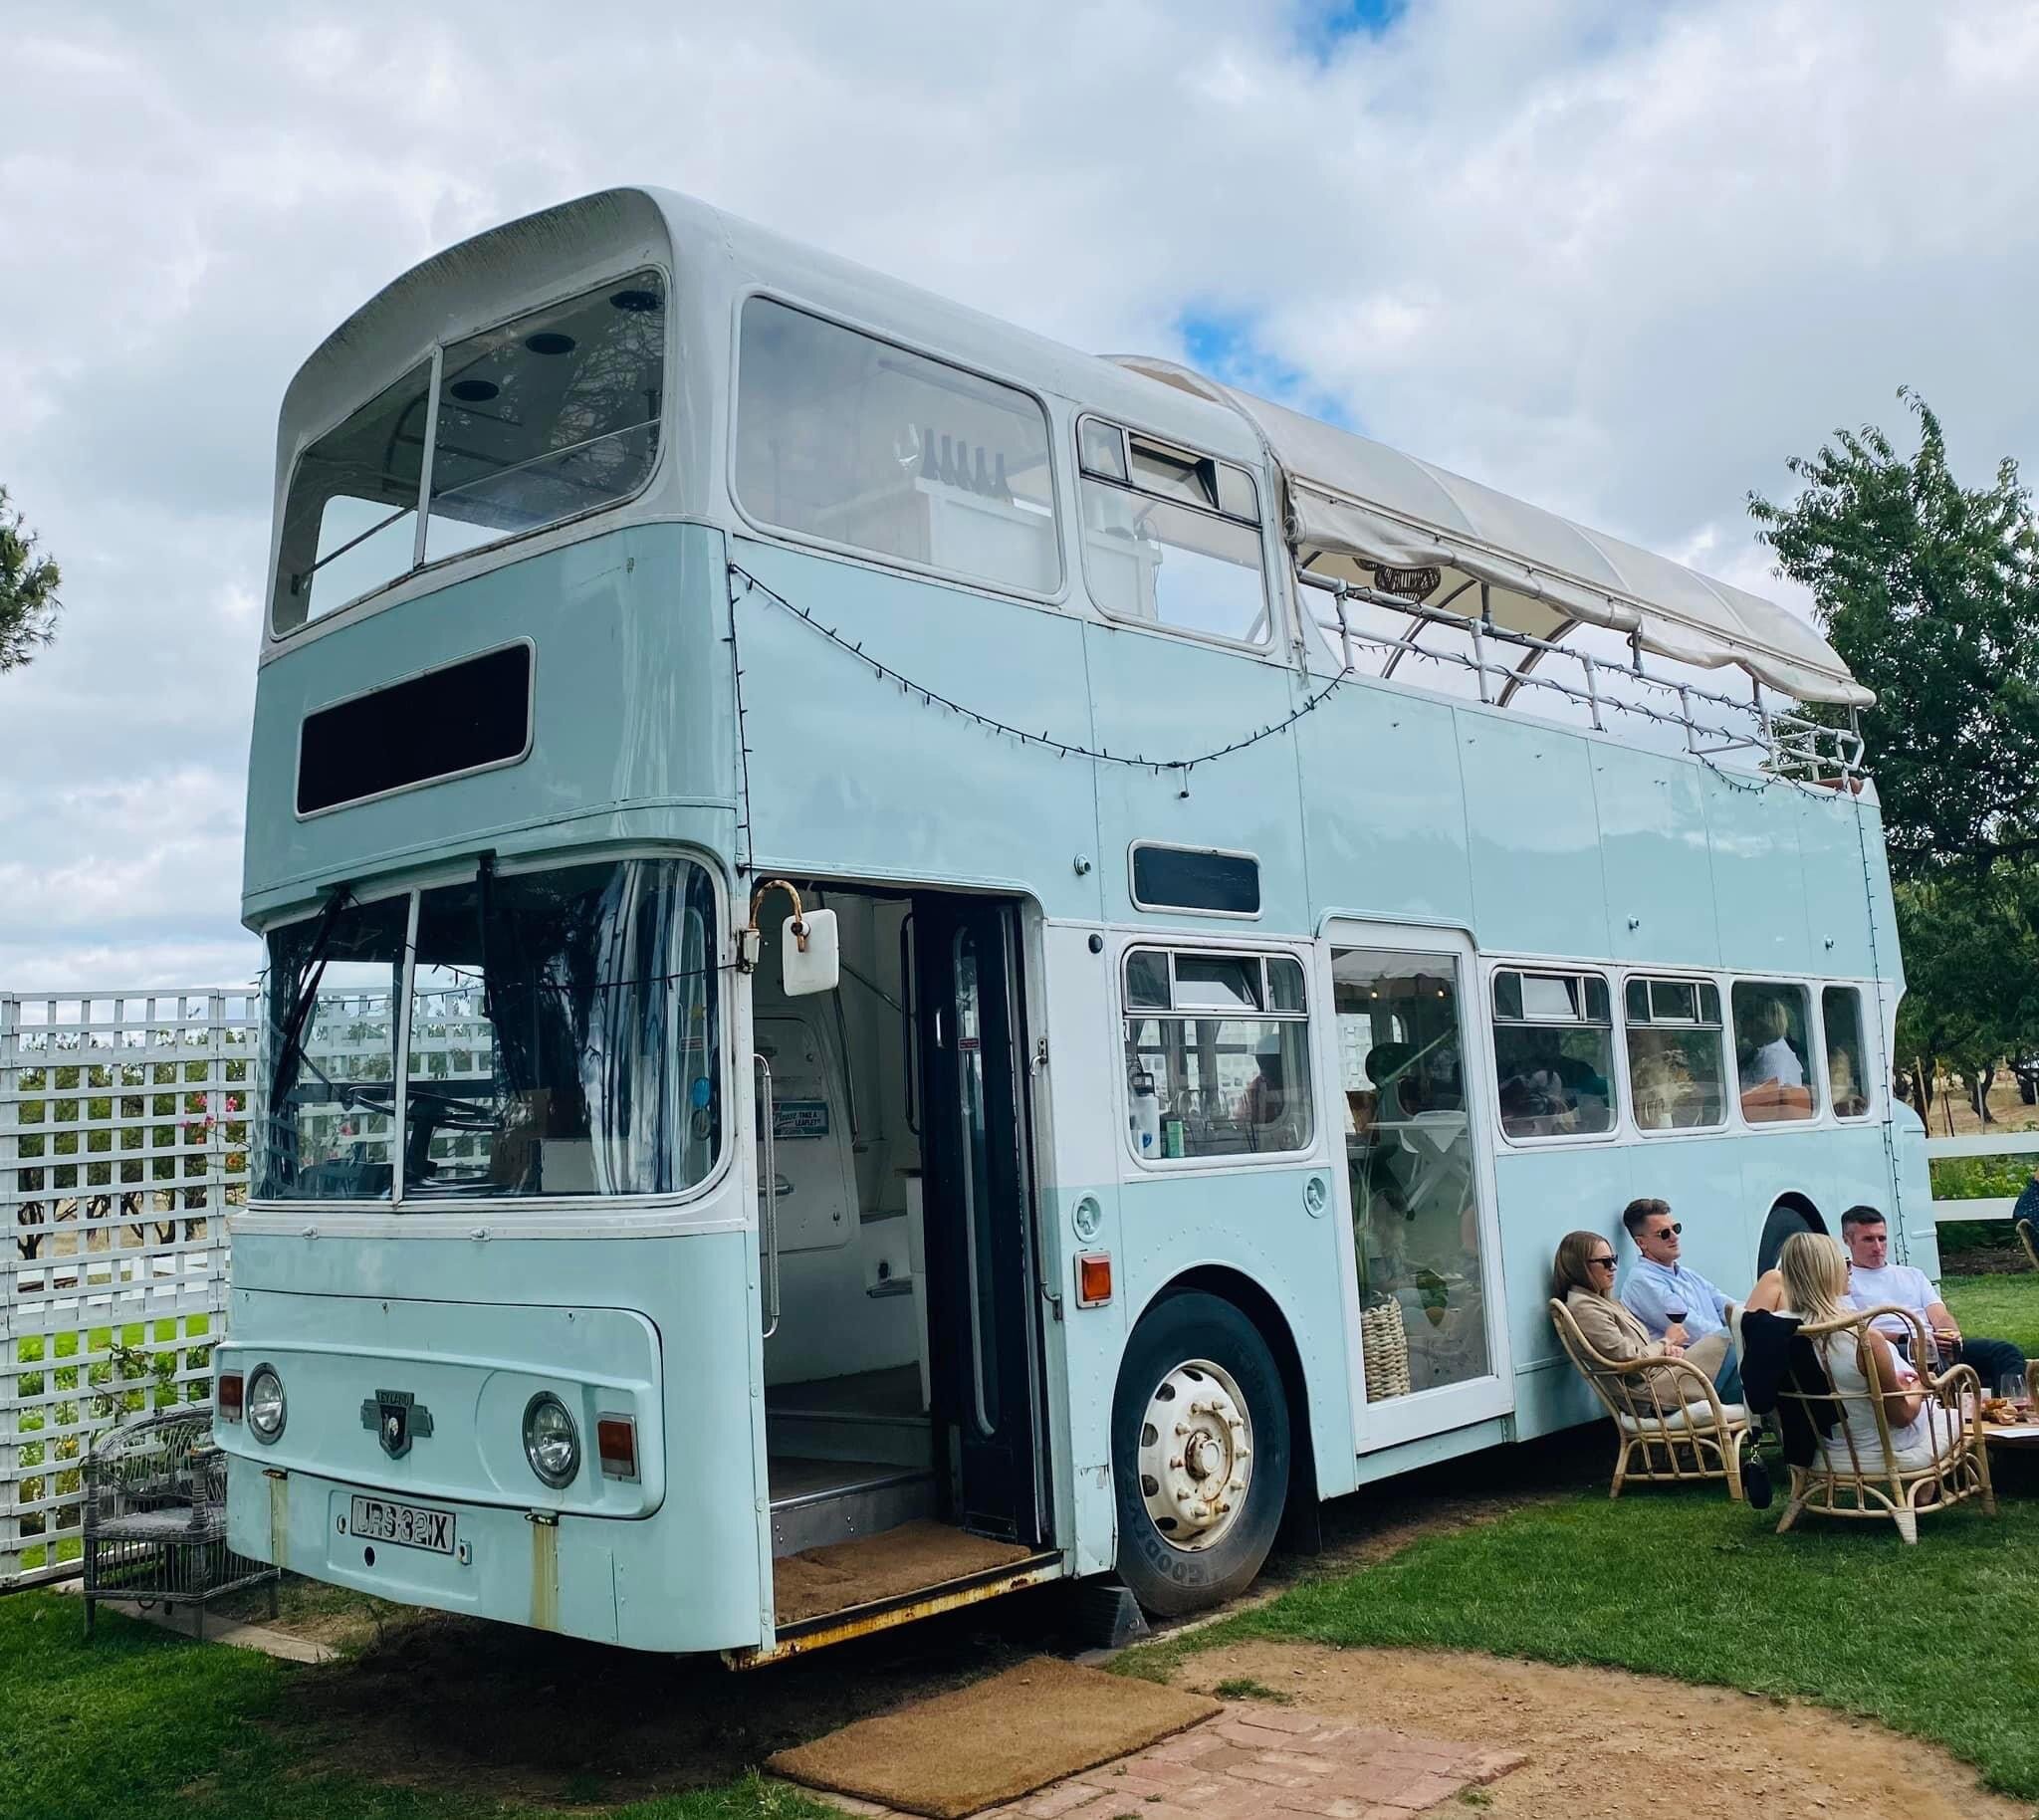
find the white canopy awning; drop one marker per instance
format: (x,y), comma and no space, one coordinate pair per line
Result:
(1355,506)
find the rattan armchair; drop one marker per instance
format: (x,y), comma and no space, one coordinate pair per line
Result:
(1675,1439)
(1848,1478)
(155,1518)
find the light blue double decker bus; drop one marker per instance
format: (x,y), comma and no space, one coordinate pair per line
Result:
(903,962)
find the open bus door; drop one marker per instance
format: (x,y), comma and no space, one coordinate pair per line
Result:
(984,1336)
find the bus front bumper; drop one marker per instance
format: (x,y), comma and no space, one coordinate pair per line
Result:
(579,1576)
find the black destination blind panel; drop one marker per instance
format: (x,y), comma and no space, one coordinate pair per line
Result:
(438,724)
(1186,878)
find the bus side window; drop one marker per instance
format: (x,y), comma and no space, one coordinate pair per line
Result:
(1677,1074)
(869,445)
(1554,1052)
(1171,537)
(1773,1052)
(1218,1056)
(1847,1078)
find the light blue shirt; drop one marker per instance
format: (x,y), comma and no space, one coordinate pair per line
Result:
(1653,1286)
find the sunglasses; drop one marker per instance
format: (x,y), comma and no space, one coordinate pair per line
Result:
(1601,1263)
(1664,1232)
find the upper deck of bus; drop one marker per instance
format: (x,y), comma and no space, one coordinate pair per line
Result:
(647,747)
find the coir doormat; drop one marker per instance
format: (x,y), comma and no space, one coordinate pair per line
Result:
(995,1740)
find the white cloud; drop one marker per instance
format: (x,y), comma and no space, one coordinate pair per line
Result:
(1621,260)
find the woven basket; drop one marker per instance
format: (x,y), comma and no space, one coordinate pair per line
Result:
(1386,1347)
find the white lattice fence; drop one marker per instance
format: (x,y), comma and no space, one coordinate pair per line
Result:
(124,1141)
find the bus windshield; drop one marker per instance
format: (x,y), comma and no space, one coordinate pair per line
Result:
(559,1036)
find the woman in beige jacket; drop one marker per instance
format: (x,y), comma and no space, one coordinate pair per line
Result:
(1583,1280)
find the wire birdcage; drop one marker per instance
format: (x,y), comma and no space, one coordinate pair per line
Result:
(155,1518)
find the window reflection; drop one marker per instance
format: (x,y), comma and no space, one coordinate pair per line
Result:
(1677,1069)
(1233,1081)
(1846,1077)
(1409,1163)
(1553,1046)
(1772,1051)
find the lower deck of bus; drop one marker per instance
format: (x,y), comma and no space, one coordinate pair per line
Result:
(902,1358)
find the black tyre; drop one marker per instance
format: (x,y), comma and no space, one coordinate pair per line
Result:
(1200,1455)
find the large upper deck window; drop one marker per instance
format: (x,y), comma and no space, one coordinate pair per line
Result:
(563,1039)
(1170,537)
(542,419)
(862,443)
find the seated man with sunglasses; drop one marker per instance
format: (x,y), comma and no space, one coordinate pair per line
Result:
(1677,1306)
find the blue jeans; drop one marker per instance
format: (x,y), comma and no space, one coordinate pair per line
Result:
(1727,1380)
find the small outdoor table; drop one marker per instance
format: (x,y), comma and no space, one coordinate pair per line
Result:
(2018,1435)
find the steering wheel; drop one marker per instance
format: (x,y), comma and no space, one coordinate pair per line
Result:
(449,1111)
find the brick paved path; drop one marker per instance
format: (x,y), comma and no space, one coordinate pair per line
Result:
(1260,1763)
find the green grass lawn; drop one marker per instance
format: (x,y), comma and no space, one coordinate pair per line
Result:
(140,1723)
(1998,1307)
(1936,1641)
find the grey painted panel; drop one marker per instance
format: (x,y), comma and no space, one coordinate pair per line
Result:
(1385,816)
(1165,697)
(854,775)
(1660,885)
(1536,839)
(631,705)
(1758,877)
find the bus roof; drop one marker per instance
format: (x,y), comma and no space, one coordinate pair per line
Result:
(1353,506)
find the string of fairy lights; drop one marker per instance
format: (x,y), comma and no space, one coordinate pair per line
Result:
(931,697)
(1179,767)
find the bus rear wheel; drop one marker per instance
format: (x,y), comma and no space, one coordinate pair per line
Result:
(1200,1455)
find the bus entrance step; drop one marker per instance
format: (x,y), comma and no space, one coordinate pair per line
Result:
(869,1415)
(818,1501)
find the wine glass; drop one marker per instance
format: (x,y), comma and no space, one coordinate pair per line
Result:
(906,447)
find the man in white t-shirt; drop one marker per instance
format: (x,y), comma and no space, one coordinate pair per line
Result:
(1876,1283)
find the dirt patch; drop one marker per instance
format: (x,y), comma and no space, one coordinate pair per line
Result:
(528,1717)
(436,1701)
(1604,1744)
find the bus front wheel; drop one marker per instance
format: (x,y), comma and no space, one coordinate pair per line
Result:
(1200,1455)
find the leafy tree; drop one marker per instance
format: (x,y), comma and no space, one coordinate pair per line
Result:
(28,591)
(1972,967)
(1930,593)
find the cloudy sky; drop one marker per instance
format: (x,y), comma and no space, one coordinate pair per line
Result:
(1622,257)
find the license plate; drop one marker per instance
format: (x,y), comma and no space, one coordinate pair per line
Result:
(377,1519)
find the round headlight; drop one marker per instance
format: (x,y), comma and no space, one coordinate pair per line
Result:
(264,1406)
(551,1440)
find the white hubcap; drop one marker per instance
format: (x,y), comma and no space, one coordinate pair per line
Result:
(1196,1455)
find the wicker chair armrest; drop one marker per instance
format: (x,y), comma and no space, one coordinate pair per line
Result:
(1594,1363)
(1700,1391)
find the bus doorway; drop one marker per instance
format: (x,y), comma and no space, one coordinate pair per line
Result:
(984,1334)
(903,1415)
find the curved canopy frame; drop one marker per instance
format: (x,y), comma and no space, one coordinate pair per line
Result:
(1377,519)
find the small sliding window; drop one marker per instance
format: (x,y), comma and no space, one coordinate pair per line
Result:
(1171,537)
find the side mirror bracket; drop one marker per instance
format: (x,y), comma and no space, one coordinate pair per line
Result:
(809,950)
